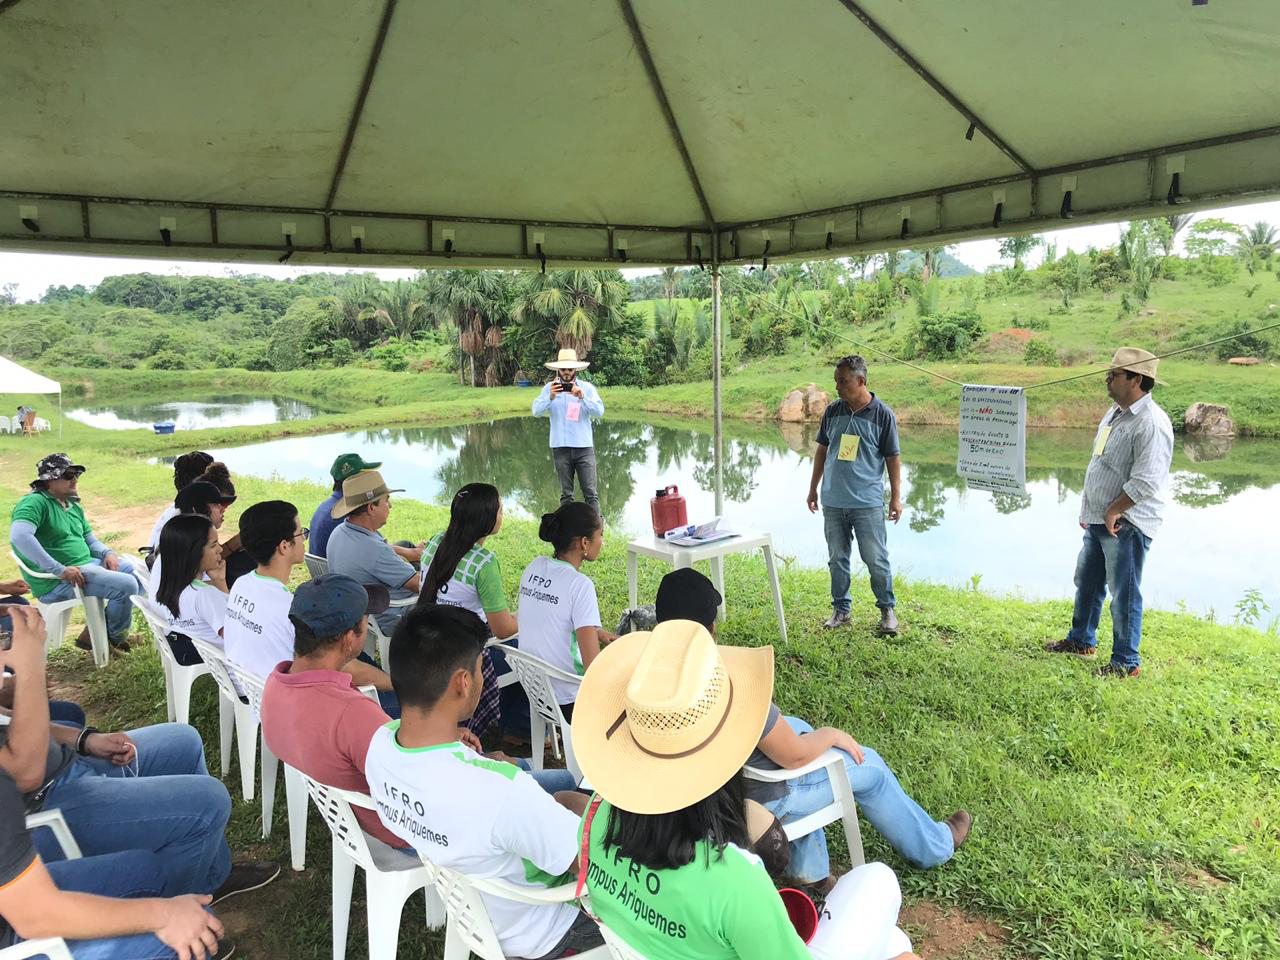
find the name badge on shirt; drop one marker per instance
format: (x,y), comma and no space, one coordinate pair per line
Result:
(573,411)
(848,446)
(1100,444)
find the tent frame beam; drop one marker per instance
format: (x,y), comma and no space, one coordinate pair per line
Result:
(365,84)
(938,86)
(655,81)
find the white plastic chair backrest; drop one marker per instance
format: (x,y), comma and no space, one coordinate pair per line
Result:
(55,948)
(28,572)
(535,676)
(159,626)
(250,683)
(219,669)
(468,915)
(57,825)
(335,806)
(619,949)
(316,566)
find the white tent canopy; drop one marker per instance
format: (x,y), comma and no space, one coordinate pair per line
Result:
(496,132)
(15,378)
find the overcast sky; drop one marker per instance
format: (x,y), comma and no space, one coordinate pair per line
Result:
(35,272)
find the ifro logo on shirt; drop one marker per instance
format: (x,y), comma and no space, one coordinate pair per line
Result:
(403,811)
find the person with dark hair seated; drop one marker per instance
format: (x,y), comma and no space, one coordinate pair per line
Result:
(323,521)
(258,633)
(202,498)
(461,572)
(238,560)
(924,842)
(559,612)
(190,584)
(186,469)
(481,816)
(664,722)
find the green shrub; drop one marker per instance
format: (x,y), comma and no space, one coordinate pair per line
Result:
(948,335)
(1040,352)
(1218,271)
(1261,345)
(394,355)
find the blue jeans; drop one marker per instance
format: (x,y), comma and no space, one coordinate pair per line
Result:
(843,525)
(116,587)
(387,699)
(66,712)
(1115,564)
(173,808)
(921,840)
(130,873)
(552,781)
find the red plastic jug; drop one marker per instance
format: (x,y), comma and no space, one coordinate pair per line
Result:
(668,510)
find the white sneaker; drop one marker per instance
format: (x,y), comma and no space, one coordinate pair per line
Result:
(839,618)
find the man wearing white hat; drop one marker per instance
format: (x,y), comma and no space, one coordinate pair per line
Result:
(571,403)
(1125,493)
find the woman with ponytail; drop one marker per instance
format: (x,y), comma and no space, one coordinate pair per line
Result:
(192,585)
(186,468)
(559,612)
(461,572)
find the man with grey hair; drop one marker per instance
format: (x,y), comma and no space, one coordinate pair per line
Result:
(864,433)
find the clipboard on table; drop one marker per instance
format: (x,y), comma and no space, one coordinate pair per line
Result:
(696,535)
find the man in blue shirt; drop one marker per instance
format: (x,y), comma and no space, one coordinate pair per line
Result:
(864,434)
(322,521)
(571,403)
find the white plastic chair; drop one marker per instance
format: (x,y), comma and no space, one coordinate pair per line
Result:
(54,948)
(6,425)
(469,928)
(391,876)
(841,808)
(179,678)
(295,790)
(535,675)
(375,639)
(57,614)
(246,721)
(42,424)
(619,949)
(317,566)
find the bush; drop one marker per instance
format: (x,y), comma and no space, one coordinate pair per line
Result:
(394,355)
(1218,271)
(948,335)
(1261,345)
(168,360)
(1107,270)
(1040,353)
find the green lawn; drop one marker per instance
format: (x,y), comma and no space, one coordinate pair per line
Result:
(1112,818)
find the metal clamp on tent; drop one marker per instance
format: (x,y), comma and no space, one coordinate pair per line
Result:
(166,235)
(697,250)
(1175,190)
(764,256)
(906,228)
(995,220)
(968,134)
(831,238)
(542,257)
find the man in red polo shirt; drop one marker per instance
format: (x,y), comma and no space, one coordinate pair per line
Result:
(313,716)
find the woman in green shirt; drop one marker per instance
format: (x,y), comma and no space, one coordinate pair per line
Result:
(663,724)
(461,572)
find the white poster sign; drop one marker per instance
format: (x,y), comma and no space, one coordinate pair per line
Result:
(993,438)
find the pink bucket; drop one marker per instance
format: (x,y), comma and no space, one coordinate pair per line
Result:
(801,911)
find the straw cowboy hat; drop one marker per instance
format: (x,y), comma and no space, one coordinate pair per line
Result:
(1137,360)
(568,360)
(664,719)
(365,487)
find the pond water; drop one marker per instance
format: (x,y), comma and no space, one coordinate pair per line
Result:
(1220,530)
(227,410)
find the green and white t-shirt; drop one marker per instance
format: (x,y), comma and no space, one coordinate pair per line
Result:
(555,601)
(202,609)
(476,583)
(718,907)
(485,819)
(257,633)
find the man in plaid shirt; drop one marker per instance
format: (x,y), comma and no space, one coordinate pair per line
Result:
(1125,494)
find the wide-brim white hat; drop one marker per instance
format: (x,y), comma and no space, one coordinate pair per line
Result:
(568,360)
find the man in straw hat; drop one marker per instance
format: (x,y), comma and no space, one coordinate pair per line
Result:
(571,403)
(1121,510)
(663,724)
(322,521)
(358,550)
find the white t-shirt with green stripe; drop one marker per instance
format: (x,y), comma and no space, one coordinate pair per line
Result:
(203,609)
(483,818)
(476,583)
(555,601)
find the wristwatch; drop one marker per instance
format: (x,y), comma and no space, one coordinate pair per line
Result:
(80,740)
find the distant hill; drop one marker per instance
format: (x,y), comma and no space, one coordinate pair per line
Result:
(948,266)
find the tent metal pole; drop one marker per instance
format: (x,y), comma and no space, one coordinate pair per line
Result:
(61,415)
(717,347)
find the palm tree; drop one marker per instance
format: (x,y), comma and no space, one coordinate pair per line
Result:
(356,309)
(475,301)
(1257,244)
(401,307)
(571,304)
(669,283)
(1176,222)
(931,260)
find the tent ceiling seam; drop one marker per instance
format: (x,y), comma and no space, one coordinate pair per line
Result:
(642,48)
(938,86)
(366,82)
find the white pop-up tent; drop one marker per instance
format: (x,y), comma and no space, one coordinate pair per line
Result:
(16,379)
(510,133)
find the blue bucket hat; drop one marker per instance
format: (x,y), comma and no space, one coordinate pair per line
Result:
(333,604)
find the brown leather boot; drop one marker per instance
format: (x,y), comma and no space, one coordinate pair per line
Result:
(83,641)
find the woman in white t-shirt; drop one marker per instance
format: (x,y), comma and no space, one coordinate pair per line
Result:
(186,468)
(460,571)
(189,553)
(559,612)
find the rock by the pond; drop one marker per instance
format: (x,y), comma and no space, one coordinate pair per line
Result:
(1200,449)
(1245,361)
(801,406)
(1209,419)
